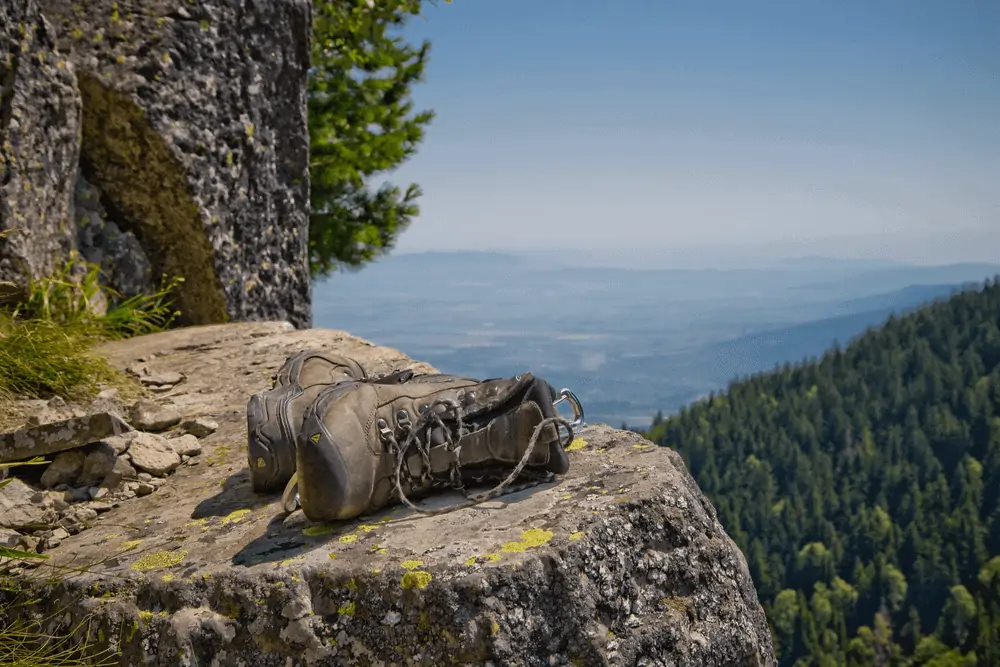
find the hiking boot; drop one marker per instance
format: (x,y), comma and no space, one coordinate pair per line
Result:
(275,416)
(361,444)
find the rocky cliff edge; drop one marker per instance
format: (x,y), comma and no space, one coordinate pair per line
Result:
(620,562)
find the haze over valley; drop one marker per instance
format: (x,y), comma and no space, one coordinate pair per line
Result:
(629,342)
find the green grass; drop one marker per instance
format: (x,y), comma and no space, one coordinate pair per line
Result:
(46,339)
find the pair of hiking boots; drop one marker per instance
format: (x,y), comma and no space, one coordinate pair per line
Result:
(342,444)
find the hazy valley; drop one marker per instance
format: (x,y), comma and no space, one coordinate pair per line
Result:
(629,342)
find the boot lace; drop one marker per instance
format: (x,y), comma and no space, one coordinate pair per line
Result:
(424,425)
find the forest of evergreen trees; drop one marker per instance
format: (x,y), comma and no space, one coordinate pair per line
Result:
(863,488)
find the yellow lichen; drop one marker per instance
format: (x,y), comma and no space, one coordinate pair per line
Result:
(415,579)
(332,556)
(494,626)
(639,446)
(536,536)
(471,560)
(348,539)
(376,570)
(566,496)
(158,559)
(411,564)
(366,527)
(235,516)
(196,522)
(167,578)
(346,609)
(352,585)
(533,537)
(145,615)
(313,531)
(129,546)
(577,444)
(578,535)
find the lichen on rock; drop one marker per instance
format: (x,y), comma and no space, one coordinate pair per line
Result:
(189,119)
(40,112)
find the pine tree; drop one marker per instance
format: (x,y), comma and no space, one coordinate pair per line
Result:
(361,124)
(863,488)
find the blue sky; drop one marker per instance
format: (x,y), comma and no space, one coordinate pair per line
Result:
(845,127)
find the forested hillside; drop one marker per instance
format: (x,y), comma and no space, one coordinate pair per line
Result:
(863,489)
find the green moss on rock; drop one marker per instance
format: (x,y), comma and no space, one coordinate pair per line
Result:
(132,165)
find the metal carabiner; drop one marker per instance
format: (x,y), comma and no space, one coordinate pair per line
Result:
(578,423)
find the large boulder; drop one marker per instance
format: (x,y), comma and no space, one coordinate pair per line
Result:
(190,124)
(39,144)
(620,562)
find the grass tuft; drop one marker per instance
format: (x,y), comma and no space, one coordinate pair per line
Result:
(46,338)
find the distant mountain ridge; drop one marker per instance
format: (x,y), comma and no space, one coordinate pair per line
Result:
(765,350)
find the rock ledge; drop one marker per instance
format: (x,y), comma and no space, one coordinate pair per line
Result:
(621,562)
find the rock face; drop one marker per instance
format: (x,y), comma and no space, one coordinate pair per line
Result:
(40,114)
(189,121)
(620,562)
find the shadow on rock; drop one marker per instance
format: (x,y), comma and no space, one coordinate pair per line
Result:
(236,494)
(292,535)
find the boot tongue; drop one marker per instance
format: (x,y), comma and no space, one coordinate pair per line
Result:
(508,394)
